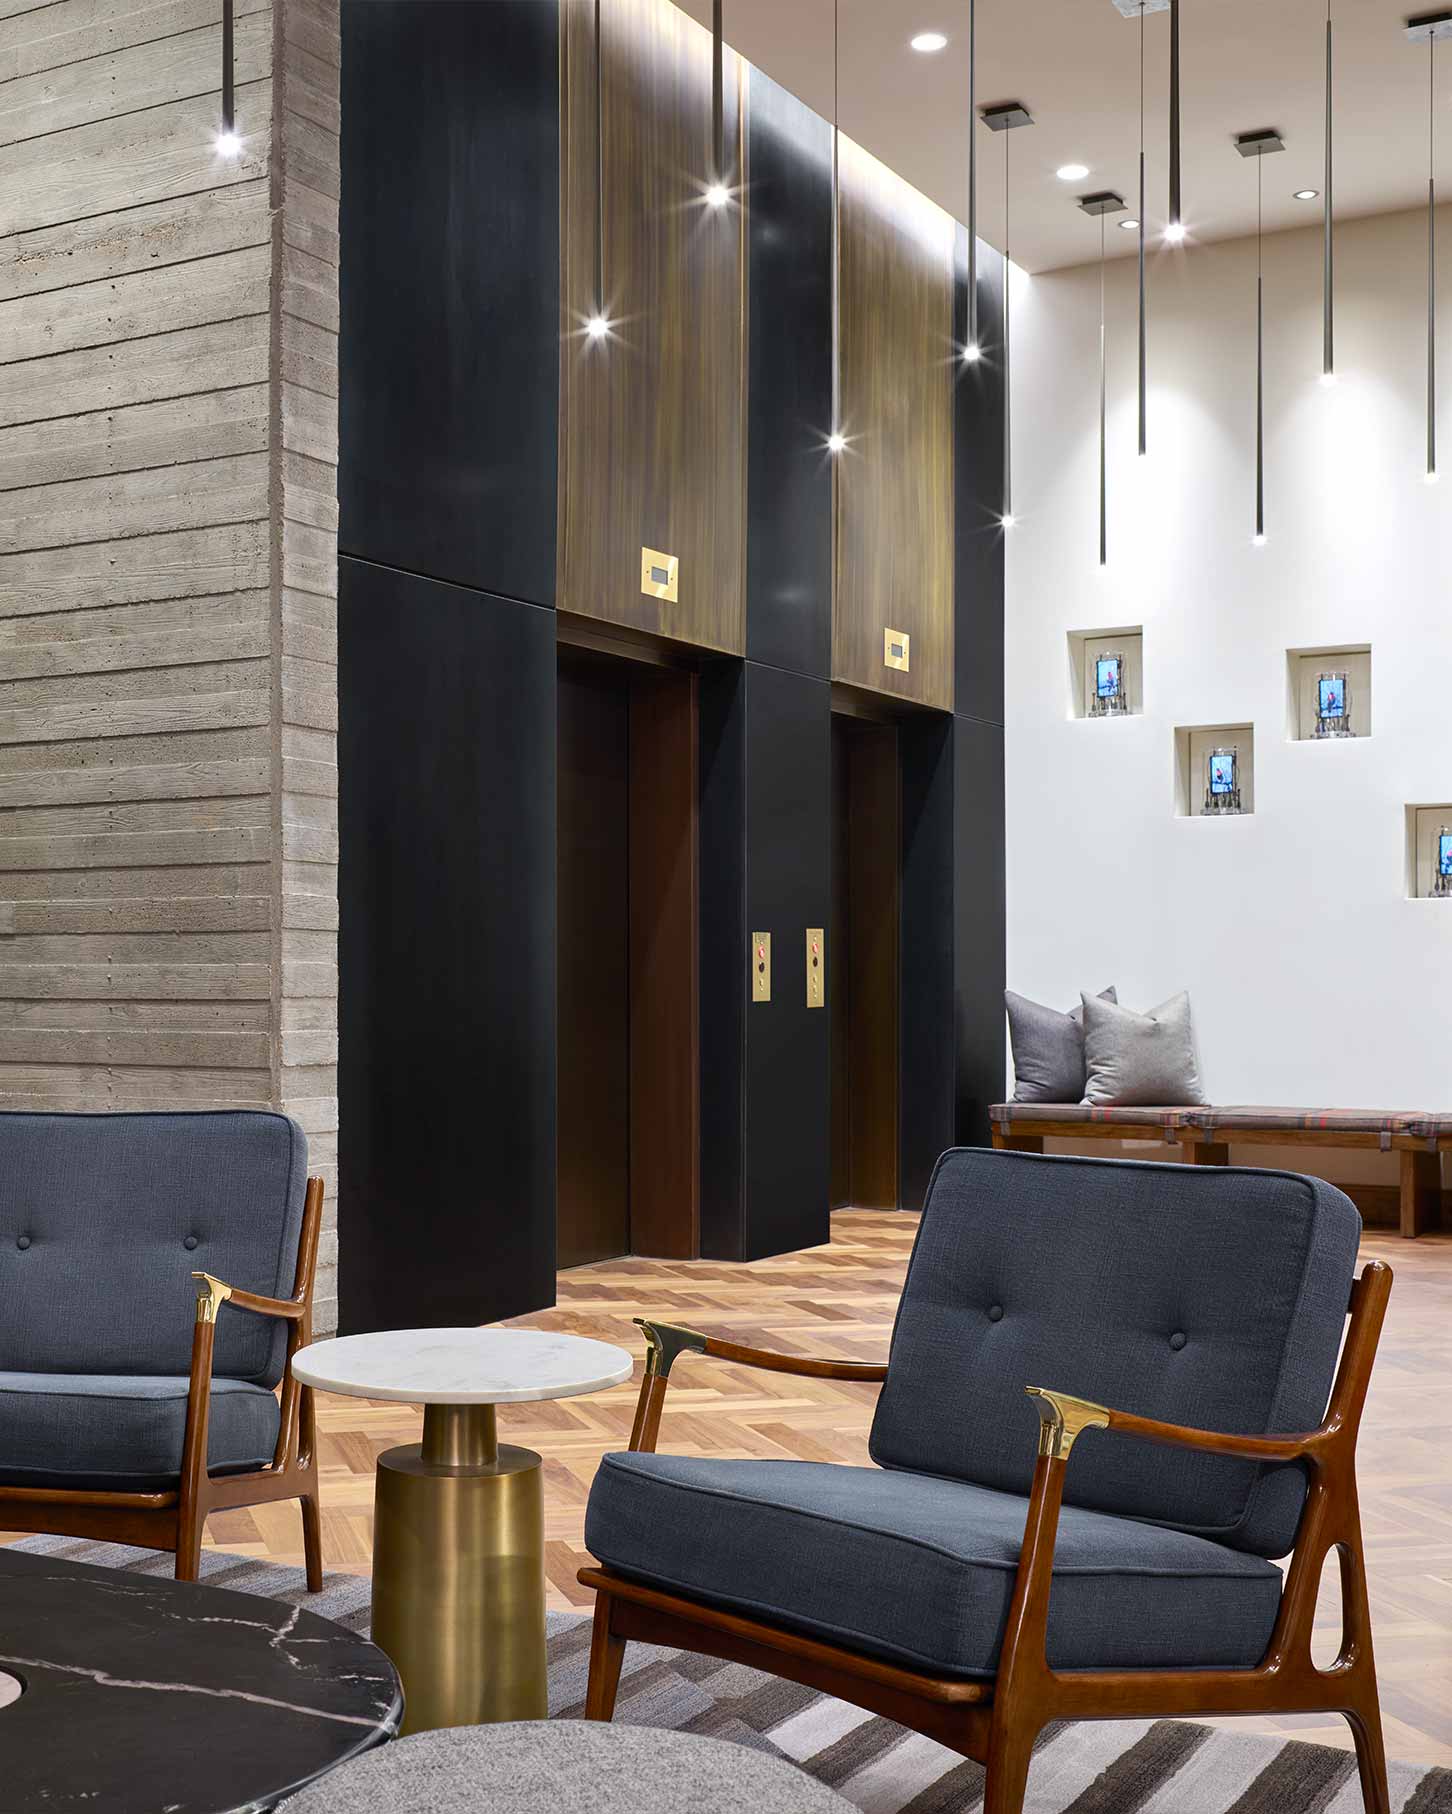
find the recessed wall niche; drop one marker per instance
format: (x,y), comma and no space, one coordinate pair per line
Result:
(1428,855)
(1106,673)
(1214,771)
(1328,694)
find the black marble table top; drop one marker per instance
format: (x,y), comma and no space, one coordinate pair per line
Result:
(146,1696)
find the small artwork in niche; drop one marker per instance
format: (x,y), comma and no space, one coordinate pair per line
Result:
(1333,706)
(1110,695)
(1222,781)
(1442,881)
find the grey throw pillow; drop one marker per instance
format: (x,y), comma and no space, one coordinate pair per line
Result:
(1048,1049)
(1140,1060)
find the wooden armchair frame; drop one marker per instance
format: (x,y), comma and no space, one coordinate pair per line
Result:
(996,1722)
(174,1520)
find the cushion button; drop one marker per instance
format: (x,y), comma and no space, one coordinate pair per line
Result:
(23,1242)
(995,1313)
(1177,1340)
(191,1242)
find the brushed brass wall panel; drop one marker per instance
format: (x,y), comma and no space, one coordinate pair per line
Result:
(651,418)
(894,558)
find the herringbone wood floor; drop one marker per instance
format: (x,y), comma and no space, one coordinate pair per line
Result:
(840,1300)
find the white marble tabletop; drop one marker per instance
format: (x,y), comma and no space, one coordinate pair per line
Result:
(462,1366)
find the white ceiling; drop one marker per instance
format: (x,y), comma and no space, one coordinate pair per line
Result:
(1246,64)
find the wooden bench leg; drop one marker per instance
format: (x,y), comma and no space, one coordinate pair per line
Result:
(1205,1152)
(1421,1206)
(1018,1143)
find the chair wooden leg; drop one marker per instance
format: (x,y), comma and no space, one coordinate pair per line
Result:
(312,1523)
(189,1530)
(607,1654)
(1421,1192)
(1371,1757)
(1010,1751)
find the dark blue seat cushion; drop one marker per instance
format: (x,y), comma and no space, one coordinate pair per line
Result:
(123,1433)
(920,1570)
(104,1218)
(1193,1294)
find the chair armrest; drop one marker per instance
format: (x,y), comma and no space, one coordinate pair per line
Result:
(1064,1418)
(667,1341)
(212,1293)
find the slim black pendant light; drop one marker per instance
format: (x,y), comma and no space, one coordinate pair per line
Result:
(1328,258)
(1175,227)
(1102,205)
(228,143)
(837,439)
(597,325)
(1006,119)
(718,192)
(1428,28)
(1259,145)
(1137,11)
(971,348)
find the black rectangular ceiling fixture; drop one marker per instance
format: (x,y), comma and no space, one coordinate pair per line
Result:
(1103,201)
(1259,144)
(1006,116)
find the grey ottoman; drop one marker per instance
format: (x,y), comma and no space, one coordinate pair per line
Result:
(565,1767)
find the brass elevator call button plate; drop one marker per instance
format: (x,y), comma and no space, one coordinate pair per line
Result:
(761,966)
(896,649)
(659,574)
(816,967)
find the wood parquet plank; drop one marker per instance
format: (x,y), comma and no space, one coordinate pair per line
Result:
(840,1300)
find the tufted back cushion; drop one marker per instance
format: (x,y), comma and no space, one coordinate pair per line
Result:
(1196,1295)
(104,1218)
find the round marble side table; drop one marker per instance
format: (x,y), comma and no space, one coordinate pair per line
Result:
(458,1536)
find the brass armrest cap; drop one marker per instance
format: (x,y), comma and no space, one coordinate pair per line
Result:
(212,1293)
(665,1342)
(1064,1418)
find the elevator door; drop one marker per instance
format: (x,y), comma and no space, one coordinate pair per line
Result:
(594,966)
(863,959)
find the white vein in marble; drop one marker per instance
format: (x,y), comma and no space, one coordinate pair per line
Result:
(462,1366)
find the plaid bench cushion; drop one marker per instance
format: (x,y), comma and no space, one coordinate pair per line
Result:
(1025,1114)
(1332,1121)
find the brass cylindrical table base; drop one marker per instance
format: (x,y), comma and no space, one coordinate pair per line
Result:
(458,1573)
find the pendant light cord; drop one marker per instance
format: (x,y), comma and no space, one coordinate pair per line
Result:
(229,94)
(1328,363)
(971,341)
(718,97)
(1260,347)
(1103,409)
(1143,321)
(1007,399)
(1432,254)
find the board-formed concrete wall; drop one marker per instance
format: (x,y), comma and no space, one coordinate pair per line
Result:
(168,451)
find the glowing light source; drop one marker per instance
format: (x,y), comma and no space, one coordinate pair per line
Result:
(717,195)
(1431,478)
(1328,379)
(926,42)
(597,327)
(1129,226)
(836,442)
(1307,195)
(972,353)
(228,143)
(1257,541)
(1072,173)
(1175,232)
(1009,521)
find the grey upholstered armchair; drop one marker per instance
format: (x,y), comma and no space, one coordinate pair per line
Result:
(979,1582)
(156,1277)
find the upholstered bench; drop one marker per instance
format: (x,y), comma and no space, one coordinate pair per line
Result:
(1204,1136)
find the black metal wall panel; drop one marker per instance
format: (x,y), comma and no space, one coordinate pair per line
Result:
(765,867)
(789,395)
(978,534)
(980,929)
(446,953)
(926,995)
(450,328)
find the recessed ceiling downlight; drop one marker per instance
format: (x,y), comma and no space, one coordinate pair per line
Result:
(1072,173)
(927,42)
(1307,195)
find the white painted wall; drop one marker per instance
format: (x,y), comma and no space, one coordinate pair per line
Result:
(1315,981)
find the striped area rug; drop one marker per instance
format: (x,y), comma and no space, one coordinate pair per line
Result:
(1123,1767)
